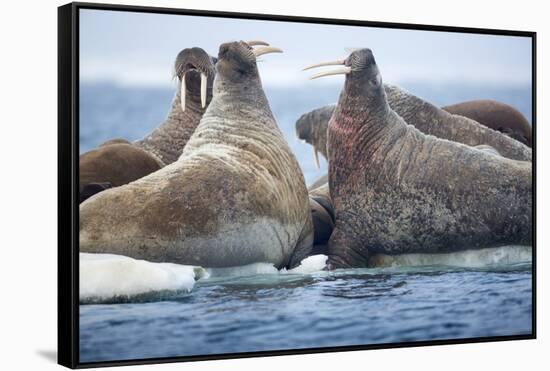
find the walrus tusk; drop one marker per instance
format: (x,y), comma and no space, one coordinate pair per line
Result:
(182,94)
(204,80)
(265,50)
(316,157)
(338,71)
(256,42)
(329,63)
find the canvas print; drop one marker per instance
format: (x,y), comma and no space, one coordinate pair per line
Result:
(263,185)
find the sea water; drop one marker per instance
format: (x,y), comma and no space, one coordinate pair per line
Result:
(135,309)
(257,308)
(110,111)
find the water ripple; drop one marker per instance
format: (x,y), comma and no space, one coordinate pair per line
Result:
(270,312)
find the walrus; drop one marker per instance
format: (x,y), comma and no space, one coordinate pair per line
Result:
(112,165)
(429,119)
(118,162)
(496,115)
(488,149)
(235,196)
(91,189)
(322,214)
(322,209)
(312,127)
(397,190)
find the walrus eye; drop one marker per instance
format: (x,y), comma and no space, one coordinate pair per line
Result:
(377,81)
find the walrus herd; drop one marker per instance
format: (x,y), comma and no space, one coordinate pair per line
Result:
(217,185)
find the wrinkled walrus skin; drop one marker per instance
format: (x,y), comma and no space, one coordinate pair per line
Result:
(235,196)
(396,190)
(427,118)
(496,115)
(118,162)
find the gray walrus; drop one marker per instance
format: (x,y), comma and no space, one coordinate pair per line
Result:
(496,115)
(117,161)
(427,118)
(235,196)
(322,214)
(396,190)
(112,165)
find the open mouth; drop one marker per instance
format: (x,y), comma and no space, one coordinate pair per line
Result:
(204,82)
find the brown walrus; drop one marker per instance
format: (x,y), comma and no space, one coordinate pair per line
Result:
(396,190)
(235,196)
(312,126)
(496,115)
(117,161)
(113,165)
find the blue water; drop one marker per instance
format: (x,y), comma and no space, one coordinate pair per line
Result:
(348,307)
(108,111)
(275,312)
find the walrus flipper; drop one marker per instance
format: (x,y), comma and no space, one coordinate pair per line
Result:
(345,251)
(304,245)
(323,224)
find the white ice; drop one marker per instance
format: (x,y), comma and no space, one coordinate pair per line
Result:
(104,276)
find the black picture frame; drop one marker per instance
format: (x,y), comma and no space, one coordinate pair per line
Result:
(68,205)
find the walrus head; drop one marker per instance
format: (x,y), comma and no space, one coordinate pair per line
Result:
(237,60)
(310,131)
(304,128)
(311,128)
(195,69)
(363,79)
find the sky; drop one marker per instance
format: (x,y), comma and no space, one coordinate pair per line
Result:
(138,49)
